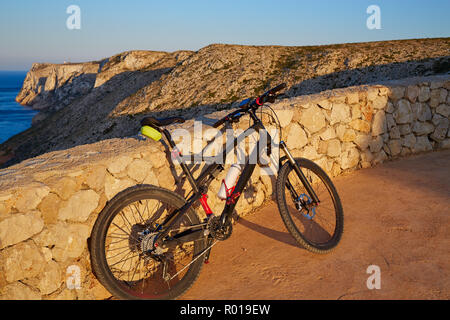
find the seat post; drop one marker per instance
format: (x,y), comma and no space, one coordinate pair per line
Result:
(183,165)
(169,138)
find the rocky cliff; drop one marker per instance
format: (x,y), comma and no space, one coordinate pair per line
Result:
(85,103)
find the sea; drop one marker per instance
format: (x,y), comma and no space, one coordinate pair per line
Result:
(14,118)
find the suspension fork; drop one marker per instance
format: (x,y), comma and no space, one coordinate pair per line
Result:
(299,173)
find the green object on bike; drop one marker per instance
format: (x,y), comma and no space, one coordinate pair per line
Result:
(151,133)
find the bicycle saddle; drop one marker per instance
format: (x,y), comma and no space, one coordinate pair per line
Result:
(161,122)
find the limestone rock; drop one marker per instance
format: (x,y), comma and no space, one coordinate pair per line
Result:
(119,164)
(151,179)
(390,107)
(325,104)
(356,111)
(360,125)
(138,169)
(403,114)
(349,135)
(49,207)
(312,119)
(323,147)
(366,156)
(397,93)
(436,119)
(340,113)
(421,128)
(113,186)
(19,227)
(394,133)
(21,261)
(352,97)
(334,148)
(395,147)
(65,187)
(438,96)
(96,178)
(380,102)
(158,159)
(31,197)
(390,122)
(380,157)
(285,117)
(309,152)
(376,144)
(379,125)
(362,141)
(65,240)
(440,132)
(421,111)
(297,137)
(79,206)
(350,158)
(19,291)
(444,110)
(404,129)
(424,94)
(328,134)
(422,144)
(165,178)
(50,279)
(409,140)
(412,93)
(268,182)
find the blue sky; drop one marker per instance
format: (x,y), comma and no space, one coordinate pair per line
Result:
(35,31)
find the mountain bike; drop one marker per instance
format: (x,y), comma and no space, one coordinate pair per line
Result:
(151,243)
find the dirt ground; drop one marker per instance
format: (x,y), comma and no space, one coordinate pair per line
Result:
(396,216)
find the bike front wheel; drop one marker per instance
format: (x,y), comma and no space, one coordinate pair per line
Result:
(123,257)
(317,228)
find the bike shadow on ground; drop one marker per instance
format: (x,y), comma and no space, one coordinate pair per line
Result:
(283,237)
(313,231)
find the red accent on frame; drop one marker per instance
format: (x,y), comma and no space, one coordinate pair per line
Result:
(258,102)
(204,203)
(232,198)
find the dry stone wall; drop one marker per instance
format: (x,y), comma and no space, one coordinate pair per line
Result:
(49,204)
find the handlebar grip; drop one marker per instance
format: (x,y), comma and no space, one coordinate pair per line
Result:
(226,118)
(277,88)
(219,123)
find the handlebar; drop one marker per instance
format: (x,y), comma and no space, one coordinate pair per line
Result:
(228,118)
(268,96)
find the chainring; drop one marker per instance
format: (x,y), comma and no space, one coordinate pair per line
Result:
(217,230)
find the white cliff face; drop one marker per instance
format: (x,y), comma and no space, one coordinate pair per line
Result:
(55,86)
(51,87)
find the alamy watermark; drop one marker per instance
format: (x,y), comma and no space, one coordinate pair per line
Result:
(73,277)
(73,22)
(227,147)
(374,20)
(374,281)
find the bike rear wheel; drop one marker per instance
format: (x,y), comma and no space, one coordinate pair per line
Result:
(123,257)
(316,228)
